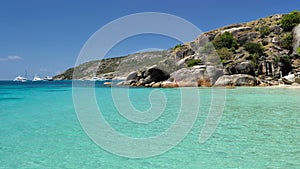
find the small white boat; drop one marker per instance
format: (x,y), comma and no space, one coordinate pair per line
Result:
(95,77)
(36,78)
(20,79)
(48,78)
(98,79)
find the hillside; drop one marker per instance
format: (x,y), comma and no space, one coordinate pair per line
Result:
(114,67)
(264,48)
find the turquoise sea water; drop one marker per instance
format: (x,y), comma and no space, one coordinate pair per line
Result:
(260,128)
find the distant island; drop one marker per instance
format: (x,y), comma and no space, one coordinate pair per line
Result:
(256,53)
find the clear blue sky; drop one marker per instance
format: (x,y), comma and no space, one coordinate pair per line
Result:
(45,36)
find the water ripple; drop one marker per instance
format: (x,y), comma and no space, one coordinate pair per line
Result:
(10,98)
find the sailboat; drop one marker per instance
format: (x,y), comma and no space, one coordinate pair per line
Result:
(36,78)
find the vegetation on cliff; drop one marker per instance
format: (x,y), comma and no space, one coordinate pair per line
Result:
(225,40)
(290,20)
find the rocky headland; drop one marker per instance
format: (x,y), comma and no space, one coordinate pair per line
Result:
(256,53)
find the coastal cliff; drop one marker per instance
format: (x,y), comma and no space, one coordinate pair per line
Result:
(254,53)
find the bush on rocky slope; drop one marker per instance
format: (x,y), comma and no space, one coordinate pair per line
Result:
(289,21)
(225,40)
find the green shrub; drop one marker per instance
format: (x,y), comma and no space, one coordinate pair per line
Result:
(225,40)
(265,30)
(254,48)
(208,48)
(298,50)
(193,62)
(285,59)
(177,46)
(225,54)
(276,59)
(254,59)
(254,64)
(287,41)
(289,21)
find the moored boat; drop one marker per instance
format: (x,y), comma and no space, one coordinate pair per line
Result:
(48,78)
(20,79)
(36,78)
(95,78)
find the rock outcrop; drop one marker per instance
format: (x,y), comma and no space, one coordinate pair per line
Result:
(240,68)
(185,77)
(191,77)
(296,39)
(214,73)
(146,77)
(237,80)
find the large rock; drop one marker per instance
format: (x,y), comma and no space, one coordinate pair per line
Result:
(245,68)
(196,77)
(296,40)
(184,51)
(240,68)
(237,80)
(214,73)
(133,76)
(276,29)
(154,74)
(189,76)
(148,76)
(247,37)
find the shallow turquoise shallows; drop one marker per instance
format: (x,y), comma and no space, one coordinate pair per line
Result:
(39,128)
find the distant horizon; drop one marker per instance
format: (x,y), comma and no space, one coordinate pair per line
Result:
(46,37)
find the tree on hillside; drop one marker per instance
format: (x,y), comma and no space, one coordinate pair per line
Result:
(225,40)
(289,21)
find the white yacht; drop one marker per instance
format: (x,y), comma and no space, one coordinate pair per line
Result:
(20,79)
(95,77)
(36,78)
(48,78)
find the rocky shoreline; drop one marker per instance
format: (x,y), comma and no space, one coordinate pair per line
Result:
(194,77)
